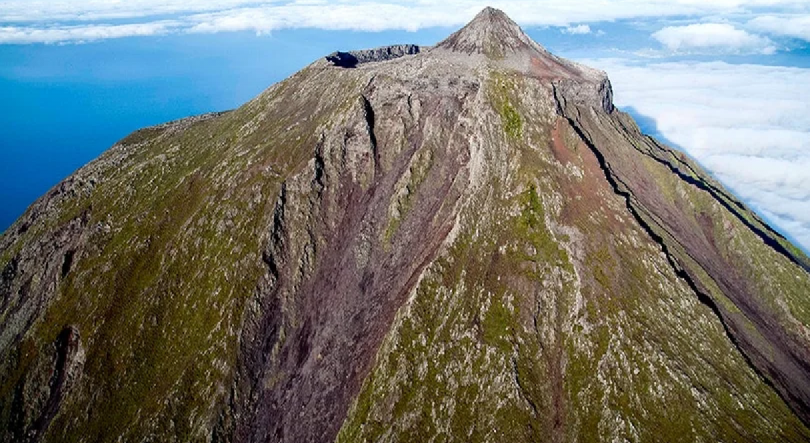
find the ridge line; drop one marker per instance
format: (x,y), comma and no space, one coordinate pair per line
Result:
(796,403)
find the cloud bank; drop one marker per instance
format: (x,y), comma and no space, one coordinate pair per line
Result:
(788,26)
(713,37)
(749,125)
(14,34)
(38,21)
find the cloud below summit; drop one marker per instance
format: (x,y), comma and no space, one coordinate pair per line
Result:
(748,125)
(83,33)
(713,37)
(788,26)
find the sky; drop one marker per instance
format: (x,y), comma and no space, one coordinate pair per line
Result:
(726,81)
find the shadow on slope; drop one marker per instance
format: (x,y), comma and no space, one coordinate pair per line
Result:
(649,126)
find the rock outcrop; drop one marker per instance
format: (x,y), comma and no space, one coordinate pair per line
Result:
(353,58)
(468,243)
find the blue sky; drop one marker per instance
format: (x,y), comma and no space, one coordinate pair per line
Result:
(727,81)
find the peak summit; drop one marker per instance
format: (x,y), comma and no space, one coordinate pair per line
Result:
(492,14)
(492,33)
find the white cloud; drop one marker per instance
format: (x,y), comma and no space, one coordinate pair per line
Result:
(22,35)
(96,10)
(580,29)
(797,26)
(355,17)
(372,15)
(712,37)
(747,124)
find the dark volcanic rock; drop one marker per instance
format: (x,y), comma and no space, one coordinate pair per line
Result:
(342,59)
(353,58)
(37,401)
(469,243)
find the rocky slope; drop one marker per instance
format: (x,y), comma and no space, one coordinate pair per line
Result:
(468,243)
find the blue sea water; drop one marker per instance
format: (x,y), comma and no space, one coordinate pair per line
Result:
(63,105)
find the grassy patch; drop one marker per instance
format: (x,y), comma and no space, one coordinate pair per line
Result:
(502,92)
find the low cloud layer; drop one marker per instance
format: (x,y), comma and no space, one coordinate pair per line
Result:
(83,33)
(786,26)
(748,125)
(40,21)
(713,37)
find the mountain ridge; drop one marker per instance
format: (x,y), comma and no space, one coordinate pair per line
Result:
(468,243)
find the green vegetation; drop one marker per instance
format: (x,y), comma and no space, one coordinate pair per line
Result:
(512,123)
(552,312)
(159,293)
(506,338)
(465,326)
(502,90)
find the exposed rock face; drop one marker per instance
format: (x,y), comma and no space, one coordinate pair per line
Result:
(466,244)
(491,33)
(37,400)
(353,58)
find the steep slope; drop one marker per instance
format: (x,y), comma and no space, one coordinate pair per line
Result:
(464,243)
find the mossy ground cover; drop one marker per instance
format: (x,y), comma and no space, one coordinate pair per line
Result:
(502,89)
(159,294)
(457,351)
(510,338)
(551,314)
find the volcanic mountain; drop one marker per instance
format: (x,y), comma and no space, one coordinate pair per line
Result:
(466,242)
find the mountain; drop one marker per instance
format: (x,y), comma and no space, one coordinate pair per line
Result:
(466,242)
